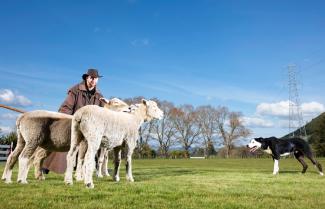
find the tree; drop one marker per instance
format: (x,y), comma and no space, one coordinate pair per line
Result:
(207,119)
(7,139)
(164,130)
(230,127)
(186,125)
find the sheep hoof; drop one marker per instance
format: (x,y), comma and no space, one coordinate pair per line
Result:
(8,181)
(90,185)
(100,176)
(321,173)
(69,183)
(130,179)
(116,178)
(106,173)
(20,181)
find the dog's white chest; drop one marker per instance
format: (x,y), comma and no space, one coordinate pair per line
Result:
(268,151)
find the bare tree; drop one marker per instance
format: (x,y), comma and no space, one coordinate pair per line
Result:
(187,128)
(164,129)
(230,127)
(207,118)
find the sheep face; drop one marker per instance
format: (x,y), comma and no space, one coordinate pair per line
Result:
(133,108)
(117,105)
(153,111)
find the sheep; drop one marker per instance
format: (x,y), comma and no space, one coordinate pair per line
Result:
(45,131)
(103,155)
(96,125)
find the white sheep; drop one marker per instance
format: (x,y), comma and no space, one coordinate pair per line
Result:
(48,131)
(102,170)
(103,154)
(34,129)
(94,125)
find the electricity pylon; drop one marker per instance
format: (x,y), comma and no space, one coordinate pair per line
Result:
(295,115)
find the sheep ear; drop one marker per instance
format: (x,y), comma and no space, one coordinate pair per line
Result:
(144,101)
(106,101)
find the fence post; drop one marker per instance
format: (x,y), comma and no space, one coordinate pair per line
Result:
(5,150)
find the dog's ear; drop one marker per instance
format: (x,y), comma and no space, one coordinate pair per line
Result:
(259,139)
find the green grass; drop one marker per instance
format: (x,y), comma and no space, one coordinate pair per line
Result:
(195,183)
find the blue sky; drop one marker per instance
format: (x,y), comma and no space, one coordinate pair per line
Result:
(230,53)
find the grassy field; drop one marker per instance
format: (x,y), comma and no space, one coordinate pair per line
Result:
(194,183)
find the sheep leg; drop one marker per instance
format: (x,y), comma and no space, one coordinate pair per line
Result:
(12,158)
(93,146)
(100,162)
(76,139)
(81,158)
(117,162)
(40,155)
(71,158)
(129,175)
(105,161)
(24,158)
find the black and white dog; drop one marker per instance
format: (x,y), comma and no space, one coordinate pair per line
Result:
(283,147)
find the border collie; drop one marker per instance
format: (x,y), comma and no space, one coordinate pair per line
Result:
(283,147)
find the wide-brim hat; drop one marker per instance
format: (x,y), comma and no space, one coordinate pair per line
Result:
(91,72)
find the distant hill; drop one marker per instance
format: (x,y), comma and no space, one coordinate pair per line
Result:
(315,130)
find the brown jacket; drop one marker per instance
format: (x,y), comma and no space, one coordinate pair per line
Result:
(77,98)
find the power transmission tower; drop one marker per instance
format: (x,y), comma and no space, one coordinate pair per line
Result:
(296,123)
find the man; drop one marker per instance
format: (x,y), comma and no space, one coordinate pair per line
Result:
(82,94)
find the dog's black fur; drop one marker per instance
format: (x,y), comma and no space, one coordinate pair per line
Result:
(297,146)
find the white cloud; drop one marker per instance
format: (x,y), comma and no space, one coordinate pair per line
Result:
(8,97)
(312,108)
(281,109)
(140,42)
(257,122)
